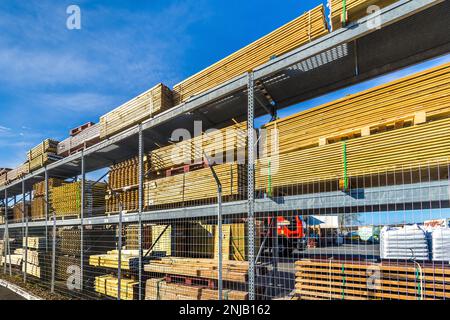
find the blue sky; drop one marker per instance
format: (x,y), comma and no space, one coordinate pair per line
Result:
(53,79)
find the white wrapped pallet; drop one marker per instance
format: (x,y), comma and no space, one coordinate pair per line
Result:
(440,243)
(407,243)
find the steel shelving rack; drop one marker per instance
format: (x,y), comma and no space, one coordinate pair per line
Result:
(410,32)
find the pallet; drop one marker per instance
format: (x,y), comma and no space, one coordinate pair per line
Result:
(341,279)
(192,281)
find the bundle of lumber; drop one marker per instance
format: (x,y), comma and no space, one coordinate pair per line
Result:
(127,198)
(140,108)
(42,160)
(345,11)
(34,243)
(233,271)
(95,240)
(129,260)
(164,234)
(86,137)
(159,289)
(46,146)
(126,173)
(38,263)
(16,258)
(70,241)
(39,187)
(411,100)
(196,185)
(132,237)
(224,145)
(109,286)
(38,208)
(406,148)
(4,176)
(18,172)
(21,212)
(307,27)
(345,280)
(63,266)
(66,199)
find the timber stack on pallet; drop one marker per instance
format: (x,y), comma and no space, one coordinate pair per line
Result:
(403,124)
(135,111)
(38,203)
(408,101)
(69,247)
(66,199)
(123,179)
(195,279)
(108,285)
(18,172)
(308,27)
(38,261)
(82,137)
(344,11)
(132,237)
(196,186)
(345,280)
(43,154)
(223,145)
(16,258)
(20,213)
(4,176)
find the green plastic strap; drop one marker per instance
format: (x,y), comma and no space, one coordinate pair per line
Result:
(344,152)
(269,192)
(419,288)
(344,12)
(343,282)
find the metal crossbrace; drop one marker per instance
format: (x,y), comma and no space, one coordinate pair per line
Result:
(251,185)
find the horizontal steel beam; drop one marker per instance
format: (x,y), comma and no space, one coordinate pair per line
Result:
(379,196)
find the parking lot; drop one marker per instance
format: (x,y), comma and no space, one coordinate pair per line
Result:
(6,294)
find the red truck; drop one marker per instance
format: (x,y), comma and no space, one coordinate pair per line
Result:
(290,233)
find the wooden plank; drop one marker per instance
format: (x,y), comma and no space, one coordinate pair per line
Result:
(307,27)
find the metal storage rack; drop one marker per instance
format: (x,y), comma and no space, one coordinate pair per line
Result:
(344,57)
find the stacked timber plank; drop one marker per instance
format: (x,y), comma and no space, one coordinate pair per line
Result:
(159,289)
(4,176)
(221,145)
(140,108)
(345,11)
(43,154)
(21,212)
(18,172)
(411,100)
(129,260)
(86,137)
(301,30)
(123,179)
(196,185)
(132,237)
(345,280)
(66,199)
(108,285)
(38,203)
(193,279)
(234,271)
(406,148)
(37,260)
(16,258)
